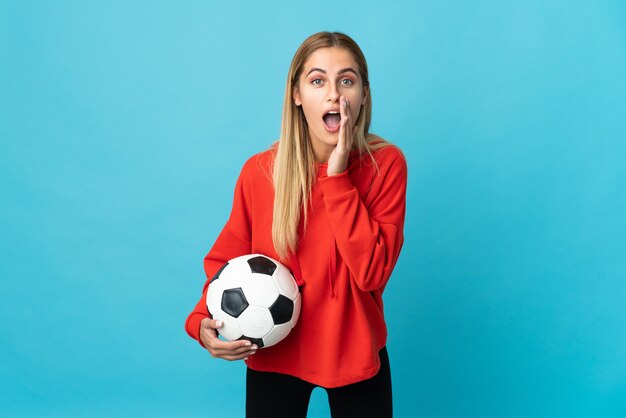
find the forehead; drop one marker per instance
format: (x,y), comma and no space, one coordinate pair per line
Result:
(330,59)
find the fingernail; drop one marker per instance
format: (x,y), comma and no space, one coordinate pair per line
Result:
(252,352)
(218,323)
(248,343)
(254,347)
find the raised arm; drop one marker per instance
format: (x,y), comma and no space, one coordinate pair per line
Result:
(369,238)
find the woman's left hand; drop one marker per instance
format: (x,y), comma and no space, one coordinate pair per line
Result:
(338,160)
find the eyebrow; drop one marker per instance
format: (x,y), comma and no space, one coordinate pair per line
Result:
(344,70)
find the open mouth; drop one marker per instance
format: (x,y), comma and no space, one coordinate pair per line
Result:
(332,121)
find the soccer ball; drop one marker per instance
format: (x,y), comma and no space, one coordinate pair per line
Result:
(257,299)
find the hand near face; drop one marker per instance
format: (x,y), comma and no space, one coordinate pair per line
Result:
(338,160)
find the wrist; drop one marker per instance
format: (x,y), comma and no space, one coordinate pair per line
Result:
(333,171)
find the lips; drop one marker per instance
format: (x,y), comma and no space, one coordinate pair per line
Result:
(332,120)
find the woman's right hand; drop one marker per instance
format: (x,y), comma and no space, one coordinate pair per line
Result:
(227,350)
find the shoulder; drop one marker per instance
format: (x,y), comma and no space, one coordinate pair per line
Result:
(388,156)
(389,153)
(259,164)
(384,170)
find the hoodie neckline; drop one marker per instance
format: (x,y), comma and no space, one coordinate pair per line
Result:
(321,168)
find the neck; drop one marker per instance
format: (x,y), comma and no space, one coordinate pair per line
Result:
(321,151)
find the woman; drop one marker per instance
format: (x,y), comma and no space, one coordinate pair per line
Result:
(327,200)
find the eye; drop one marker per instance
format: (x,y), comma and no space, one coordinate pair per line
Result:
(314,81)
(350,82)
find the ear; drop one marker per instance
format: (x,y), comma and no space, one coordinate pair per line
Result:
(296,97)
(366,91)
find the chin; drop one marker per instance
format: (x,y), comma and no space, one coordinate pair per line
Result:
(333,141)
(329,138)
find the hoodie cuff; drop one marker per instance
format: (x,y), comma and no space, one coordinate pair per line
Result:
(193,327)
(336,185)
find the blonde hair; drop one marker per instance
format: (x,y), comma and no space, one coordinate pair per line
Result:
(294,170)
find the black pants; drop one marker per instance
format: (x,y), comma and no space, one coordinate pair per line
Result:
(278,395)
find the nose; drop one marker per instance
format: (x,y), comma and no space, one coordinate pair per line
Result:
(333,95)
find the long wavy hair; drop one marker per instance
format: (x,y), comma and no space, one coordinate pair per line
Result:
(294,170)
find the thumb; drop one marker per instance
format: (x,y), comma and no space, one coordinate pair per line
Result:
(212,323)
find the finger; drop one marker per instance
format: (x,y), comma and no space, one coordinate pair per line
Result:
(244,351)
(341,143)
(237,350)
(346,124)
(229,354)
(230,346)
(237,357)
(343,109)
(210,323)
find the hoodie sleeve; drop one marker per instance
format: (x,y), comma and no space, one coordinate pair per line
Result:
(233,241)
(369,236)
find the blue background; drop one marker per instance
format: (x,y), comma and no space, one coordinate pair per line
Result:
(124,124)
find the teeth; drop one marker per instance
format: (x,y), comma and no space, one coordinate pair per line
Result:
(333,113)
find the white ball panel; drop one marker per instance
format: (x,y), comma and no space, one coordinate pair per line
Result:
(260,290)
(296,310)
(214,295)
(286,283)
(237,274)
(277,334)
(230,330)
(255,322)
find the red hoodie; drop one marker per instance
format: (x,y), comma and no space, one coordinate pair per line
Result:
(351,244)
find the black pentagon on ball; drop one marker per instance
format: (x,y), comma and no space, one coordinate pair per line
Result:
(281,309)
(234,302)
(262,265)
(257,341)
(217,275)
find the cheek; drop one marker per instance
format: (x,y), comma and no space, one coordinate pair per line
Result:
(309,113)
(355,106)
(310,105)
(354,112)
